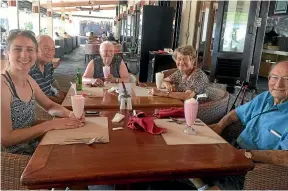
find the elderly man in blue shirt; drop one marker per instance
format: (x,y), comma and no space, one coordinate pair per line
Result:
(43,72)
(265,136)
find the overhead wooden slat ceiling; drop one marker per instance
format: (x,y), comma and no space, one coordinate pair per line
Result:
(81,3)
(74,9)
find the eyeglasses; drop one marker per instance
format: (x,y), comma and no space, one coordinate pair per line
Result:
(107,51)
(274,79)
(185,59)
(13,31)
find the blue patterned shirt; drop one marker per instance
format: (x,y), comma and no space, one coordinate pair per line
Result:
(45,79)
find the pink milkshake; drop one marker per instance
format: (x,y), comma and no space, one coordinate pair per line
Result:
(106,71)
(78,105)
(190,110)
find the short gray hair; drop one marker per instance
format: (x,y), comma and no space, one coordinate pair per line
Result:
(105,43)
(40,37)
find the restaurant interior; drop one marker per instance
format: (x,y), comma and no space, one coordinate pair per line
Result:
(236,43)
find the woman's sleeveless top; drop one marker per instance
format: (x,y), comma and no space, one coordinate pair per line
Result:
(114,67)
(22,116)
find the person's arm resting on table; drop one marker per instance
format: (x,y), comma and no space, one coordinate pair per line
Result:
(276,157)
(87,77)
(10,136)
(124,74)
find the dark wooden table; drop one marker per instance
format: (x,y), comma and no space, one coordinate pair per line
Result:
(110,101)
(131,156)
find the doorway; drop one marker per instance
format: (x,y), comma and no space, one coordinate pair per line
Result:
(231,37)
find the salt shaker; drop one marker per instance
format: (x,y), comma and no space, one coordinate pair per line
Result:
(122,102)
(129,103)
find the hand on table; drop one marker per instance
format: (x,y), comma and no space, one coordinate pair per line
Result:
(72,116)
(63,123)
(155,91)
(98,83)
(170,87)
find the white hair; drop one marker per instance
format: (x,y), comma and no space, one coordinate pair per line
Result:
(41,37)
(106,43)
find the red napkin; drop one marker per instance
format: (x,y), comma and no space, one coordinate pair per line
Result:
(146,123)
(172,112)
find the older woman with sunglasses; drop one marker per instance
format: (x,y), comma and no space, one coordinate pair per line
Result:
(188,80)
(94,72)
(19,94)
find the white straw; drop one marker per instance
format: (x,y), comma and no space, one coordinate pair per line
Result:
(75,91)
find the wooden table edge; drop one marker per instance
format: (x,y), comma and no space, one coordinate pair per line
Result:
(127,180)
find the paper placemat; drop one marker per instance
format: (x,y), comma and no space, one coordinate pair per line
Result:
(110,85)
(92,91)
(94,127)
(175,134)
(89,91)
(141,92)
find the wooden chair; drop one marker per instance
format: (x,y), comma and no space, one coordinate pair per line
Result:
(212,111)
(169,72)
(56,62)
(263,176)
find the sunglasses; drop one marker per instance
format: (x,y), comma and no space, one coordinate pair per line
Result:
(16,31)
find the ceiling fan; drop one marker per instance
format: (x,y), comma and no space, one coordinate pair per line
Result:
(89,9)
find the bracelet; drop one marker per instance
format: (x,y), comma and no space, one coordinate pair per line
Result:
(205,187)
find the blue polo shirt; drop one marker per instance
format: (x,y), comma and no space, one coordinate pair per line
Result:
(259,117)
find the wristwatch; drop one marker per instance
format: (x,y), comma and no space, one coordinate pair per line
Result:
(248,154)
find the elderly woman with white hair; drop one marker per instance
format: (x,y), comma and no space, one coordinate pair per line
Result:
(188,81)
(94,72)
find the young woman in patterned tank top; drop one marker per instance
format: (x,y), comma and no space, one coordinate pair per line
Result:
(19,93)
(188,80)
(94,71)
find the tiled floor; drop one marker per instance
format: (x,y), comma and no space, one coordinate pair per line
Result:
(66,72)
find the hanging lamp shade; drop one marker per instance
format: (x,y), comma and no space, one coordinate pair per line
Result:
(12,3)
(49,8)
(49,13)
(35,6)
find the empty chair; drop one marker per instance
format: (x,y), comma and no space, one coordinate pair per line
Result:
(91,50)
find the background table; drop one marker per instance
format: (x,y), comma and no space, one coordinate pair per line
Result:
(56,62)
(110,101)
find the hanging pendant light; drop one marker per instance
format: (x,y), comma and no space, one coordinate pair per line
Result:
(12,3)
(49,8)
(35,6)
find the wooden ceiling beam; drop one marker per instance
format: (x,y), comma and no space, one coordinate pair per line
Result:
(74,9)
(81,3)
